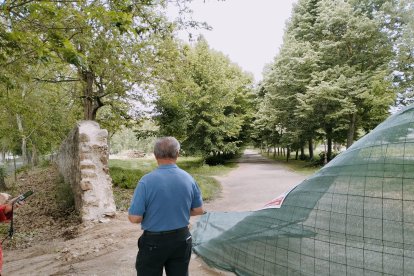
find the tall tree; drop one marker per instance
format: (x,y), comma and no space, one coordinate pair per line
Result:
(207,103)
(329,77)
(108,45)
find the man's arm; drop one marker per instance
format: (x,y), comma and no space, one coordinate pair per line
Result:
(135,219)
(197,211)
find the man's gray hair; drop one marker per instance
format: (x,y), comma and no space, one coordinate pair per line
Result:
(166,147)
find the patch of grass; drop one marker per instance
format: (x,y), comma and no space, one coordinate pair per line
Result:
(126,174)
(195,165)
(299,166)
(142,164)
(209,186)
(122,198)
(188,162)
(124,177)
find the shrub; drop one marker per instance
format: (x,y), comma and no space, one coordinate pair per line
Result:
(125,178)
(3,174)
(65,197)
(221,159)
(23,169)
(319,162)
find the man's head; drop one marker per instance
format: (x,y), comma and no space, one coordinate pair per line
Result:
(166,148)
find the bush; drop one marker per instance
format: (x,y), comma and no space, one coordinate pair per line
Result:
(189,163)
(125,178)
(65,197)
(3,174)
(319,162)
(45,163)
(23,169)
(221,159)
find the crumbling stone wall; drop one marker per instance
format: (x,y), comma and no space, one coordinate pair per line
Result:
(83,163)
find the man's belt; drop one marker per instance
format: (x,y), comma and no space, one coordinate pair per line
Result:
(179,230)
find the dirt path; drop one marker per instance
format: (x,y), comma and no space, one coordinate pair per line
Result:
(109,248)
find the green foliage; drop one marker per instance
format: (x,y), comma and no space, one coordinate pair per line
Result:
(34,116)
(23,169)
(45,163)
(3,172)
(330,78)
(65,197)
(205,101)
(125,178)
(209,186)
(100,54)
(306,167)
(126,174)
(197,165)
(132,138)
(398,21)
(220,159)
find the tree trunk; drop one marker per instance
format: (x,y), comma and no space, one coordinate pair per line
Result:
(24,139)
(302,152)
(329,149)
(351,130)
(297,154)
(35,156)
(15,168)
(328,131)
(274,151)
(287,154)
(310,143)
(91,101)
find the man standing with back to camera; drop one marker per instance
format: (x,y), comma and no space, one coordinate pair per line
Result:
(163,202)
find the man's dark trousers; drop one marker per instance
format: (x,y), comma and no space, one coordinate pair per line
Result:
(169,249)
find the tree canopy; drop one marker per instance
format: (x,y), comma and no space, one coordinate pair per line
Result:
(333,77)
(343,65)
(205,101)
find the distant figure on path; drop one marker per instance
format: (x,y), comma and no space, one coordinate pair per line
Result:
(163,202)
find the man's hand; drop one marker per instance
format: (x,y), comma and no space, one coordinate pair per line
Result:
(197,211)
(16,205)
(19,203)
(135,219)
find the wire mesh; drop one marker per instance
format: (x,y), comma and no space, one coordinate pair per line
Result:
(353,217)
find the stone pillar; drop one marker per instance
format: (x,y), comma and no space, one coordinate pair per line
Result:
(83,163)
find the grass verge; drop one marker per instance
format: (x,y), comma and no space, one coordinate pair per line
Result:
(299,166)
(126,174)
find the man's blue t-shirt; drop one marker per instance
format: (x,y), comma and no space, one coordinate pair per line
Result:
(164,198)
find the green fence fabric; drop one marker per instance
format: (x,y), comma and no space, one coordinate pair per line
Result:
(353,217)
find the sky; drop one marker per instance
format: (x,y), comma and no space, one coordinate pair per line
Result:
(249,32)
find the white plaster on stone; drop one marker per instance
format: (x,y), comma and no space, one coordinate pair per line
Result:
(83,163)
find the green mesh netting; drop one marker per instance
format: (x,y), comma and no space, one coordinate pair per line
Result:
(353,217)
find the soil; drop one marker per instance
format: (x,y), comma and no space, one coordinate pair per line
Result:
(49,239)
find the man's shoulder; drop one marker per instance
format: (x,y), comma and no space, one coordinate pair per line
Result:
(184,172)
